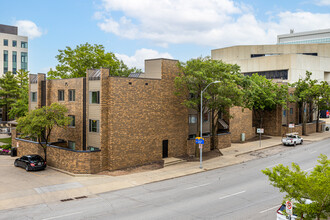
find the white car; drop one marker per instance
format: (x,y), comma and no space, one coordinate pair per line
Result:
(280,215)
(292,139)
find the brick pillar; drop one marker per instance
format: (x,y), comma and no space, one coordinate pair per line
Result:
(41,77)
(105,128)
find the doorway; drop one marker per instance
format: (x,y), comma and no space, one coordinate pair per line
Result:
(165,148)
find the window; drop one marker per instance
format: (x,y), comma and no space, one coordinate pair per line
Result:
(284,113)
(94,125)
(60,95)
(72,145)
(91,148)
(14,62)
(94,97)
(33,96)
(24,44)
(291,111)
(205,117)
(5,61)
(192,119)
(14,43)
(24,61)
(73,121)
(72,95)
(5,42)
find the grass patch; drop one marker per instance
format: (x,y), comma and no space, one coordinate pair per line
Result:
(6,140)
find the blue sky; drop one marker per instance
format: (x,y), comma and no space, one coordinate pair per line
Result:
(141,29)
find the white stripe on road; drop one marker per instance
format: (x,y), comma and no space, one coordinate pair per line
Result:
(273,165)
(234,194)
(313,152)
(266,210)
(60,216)
(193,187)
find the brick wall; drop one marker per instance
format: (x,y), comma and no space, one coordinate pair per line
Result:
(140,114)
(74,108)
(241,122)
(79,162)
(224,140)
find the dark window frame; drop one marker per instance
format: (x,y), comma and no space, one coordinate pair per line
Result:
(94,97)
(72,95)
(73,121)
(94,126)
(61,95)
(34,97)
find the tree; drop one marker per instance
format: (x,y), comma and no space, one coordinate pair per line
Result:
(21,106)
(305,94)
(39,123)
(195,75)
(261,94)
(299,185)
(73,63)
(322,101)
(9,92)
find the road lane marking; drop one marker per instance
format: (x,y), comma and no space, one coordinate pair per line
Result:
(60,216)
(309,169)
(193,187)
(313,152)
(273,165)
(234,194)
(266,210)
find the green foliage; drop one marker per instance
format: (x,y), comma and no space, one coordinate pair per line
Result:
(21,106)
(73,63)
(7,146)
(9,92)
(40,122)
(262,94)
(196,75)
(299,185)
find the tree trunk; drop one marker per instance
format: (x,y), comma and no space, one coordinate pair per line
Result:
(198,133)
(303,116)
(45,152)
(317,120)
(213,130)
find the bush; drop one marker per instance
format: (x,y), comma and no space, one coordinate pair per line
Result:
(327,128)
(6,147)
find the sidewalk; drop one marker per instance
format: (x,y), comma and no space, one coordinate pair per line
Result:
(48,190)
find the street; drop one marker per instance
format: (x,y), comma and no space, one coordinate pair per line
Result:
(234,192)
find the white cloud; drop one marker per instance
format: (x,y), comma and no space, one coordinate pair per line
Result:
(28,28)
(209,22)
(137,60)
(323,2)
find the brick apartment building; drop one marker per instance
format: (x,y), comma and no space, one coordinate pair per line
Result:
(120,122)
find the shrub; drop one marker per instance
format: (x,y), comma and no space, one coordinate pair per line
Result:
(6,147)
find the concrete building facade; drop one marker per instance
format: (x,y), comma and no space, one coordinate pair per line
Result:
(13,50)
(308,37)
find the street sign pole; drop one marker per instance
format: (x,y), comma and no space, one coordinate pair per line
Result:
(200,159)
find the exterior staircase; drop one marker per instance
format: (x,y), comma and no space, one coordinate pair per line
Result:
(223,123)
(172,161)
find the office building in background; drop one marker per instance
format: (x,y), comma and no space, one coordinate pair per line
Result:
(13,50)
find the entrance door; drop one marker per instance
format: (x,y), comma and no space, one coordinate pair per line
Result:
(165,148)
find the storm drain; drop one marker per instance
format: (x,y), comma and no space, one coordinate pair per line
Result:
(70,199)
(65,200)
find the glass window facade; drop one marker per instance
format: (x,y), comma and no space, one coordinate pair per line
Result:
(24,61)
(14,59)
(73,121)
(24,44)
(274,74)
(14,43)
(192,119)
(72,95)
(5,61)
(5,42)
(60,95)
(33,96)
(94,125)
(94,97)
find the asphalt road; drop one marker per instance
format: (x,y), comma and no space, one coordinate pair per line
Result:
(235,192)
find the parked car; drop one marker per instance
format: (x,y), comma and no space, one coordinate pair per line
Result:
(31,162)
(280,215)
(292,139)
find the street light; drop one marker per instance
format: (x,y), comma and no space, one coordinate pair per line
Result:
(201,122)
